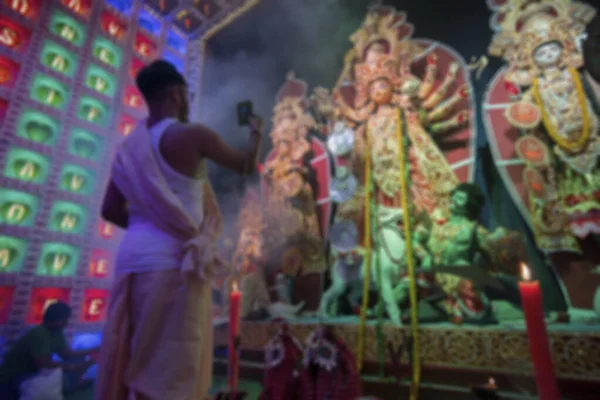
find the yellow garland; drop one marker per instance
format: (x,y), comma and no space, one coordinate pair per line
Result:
(367,256)
(551,128)
(414,321)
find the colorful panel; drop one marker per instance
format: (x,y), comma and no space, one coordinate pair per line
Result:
(49,91)
(58,58)
(85,145)
(41,299)
(123,6)
(67,28)
(79,7)
(176,42)
(13,36)
(17,208)
(112,25)
(27,8)
(107,52)
(149,23)
(176,61)
(26,166)
(75,179)
(144,46)
(135,66)
(58,259)
(187,21)
(38,127)
(127,125)
(3,109)
(133,98)
(94,305)
(67,217)
(94,111)
(12,254)
(99,266)
(163,7)
(208,8)
(9,70)
(101,81)
(106,230)
(6,299)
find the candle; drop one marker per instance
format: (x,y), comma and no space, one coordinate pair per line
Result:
(539,348)
(234,331)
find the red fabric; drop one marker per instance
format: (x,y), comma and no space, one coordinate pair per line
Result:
(281,383)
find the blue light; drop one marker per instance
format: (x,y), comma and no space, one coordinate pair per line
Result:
(175,42)
(149,23)
(123,6)
(177,62)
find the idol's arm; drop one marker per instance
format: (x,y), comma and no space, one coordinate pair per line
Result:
(114,207)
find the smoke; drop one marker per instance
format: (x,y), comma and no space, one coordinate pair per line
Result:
(249,60)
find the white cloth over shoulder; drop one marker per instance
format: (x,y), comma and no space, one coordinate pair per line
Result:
(138,175)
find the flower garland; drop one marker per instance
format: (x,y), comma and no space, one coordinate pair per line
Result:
(414,321)
(574,145)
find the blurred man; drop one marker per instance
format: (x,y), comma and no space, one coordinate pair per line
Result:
(35,350)
(158,338)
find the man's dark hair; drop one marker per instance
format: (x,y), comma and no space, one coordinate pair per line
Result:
(57,312)
(475,198)
(154,78)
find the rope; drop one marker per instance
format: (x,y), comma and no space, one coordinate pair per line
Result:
(414,321)
(367,259)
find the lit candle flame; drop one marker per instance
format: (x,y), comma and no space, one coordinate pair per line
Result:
(235,286)
(525,272)
(491,382)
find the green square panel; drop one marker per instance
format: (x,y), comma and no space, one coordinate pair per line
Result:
(93,111)
(17,208)
(58,58)
(101,81)
(85,145)
(107,52)
(38,127)
(67,217)
(58,259)
(76,179)
(26,166)
(12,254)
(49,91)
(67,28)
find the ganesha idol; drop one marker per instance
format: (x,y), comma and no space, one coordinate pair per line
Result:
(404,109)
(294,192)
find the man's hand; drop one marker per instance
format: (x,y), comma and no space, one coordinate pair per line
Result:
(255,123)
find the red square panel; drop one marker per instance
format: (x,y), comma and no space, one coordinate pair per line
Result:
(106,230)
(94,306)
(6,298)
(27,8)
(133,98)
(144,46)
(112,25)
(41,298)
(100,265)
(8,72)
(127,125)
(3,109)
(135,67)
(12,35)
(80,7)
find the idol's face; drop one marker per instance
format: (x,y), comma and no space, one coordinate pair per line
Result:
(374,52)
(381,92)
(458,203)
(548,54)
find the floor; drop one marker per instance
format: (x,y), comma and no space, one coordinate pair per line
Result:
(219,383)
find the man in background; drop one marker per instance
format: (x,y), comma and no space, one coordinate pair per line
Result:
(34,352)
(157,343)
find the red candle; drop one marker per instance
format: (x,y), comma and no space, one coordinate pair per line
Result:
(539,348)
(234,331)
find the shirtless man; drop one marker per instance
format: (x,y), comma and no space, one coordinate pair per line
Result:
(158,338)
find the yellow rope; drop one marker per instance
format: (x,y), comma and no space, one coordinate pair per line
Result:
(414,321)
(367,256)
